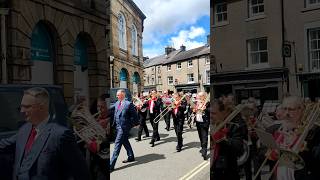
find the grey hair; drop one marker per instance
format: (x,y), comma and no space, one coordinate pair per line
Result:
(41,95)
(122,91)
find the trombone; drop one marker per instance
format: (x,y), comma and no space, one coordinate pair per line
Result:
(199,110)
(290,157)
(165,111)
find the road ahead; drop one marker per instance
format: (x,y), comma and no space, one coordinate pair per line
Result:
(162,161)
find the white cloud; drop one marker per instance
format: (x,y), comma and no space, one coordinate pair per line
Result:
(187,38)
(166,16)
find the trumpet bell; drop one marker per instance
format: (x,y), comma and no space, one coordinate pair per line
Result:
(291,159)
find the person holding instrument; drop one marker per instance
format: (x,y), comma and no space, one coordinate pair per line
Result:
(154,105)
(288,137)
(227,141)
(202,118)
(142,111)
(178,118)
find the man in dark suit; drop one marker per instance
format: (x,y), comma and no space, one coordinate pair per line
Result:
(43,149)
(125,117)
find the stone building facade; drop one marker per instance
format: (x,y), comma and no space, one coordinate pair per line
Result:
(61,42)
(274,48)
(126,55)
(179,70)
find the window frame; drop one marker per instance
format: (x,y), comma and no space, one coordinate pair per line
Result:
(188,80)
(134,44)
(308,4)
(168,80)
(189,66)
(169,67)
(316,50)
(258,51)
(179,63)
(122,34)
(258,5)
(208,76)
(216,13)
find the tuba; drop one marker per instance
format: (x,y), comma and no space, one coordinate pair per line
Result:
(87,128)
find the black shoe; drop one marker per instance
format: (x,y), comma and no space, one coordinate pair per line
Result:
(147,135)
(158,139)
(201,150)
(152,144)
(167,128)
(111,170)
(204,157)
(128,160)
(178,149)
(138,139)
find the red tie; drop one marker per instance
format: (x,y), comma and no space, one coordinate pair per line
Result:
(119,105)
(31,139)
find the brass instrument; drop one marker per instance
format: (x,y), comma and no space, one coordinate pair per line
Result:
(165,111)
(198,111)
(138,102)
(87,128)
(290,157)
(245,155)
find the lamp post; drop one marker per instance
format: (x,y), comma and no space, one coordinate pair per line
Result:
(112,64)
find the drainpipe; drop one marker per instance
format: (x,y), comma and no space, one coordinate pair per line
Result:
(286,76)
(3,13)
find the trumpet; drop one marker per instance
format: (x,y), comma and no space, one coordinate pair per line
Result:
(165,111)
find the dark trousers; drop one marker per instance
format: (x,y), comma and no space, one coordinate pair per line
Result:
(98,167)
(155,127)
(121,139)
(167,119)
(143,125)
(203,129)
(178,127)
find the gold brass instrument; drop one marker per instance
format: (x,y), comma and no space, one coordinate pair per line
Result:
(138,102)
(87,128)
(290,157)
(165,111)
(198,111)
(232,115)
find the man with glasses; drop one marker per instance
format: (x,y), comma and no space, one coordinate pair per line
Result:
(43,149)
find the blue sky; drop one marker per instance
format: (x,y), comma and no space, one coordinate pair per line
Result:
(173,23)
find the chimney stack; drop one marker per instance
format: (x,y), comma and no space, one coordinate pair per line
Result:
(168,50)
(183,48)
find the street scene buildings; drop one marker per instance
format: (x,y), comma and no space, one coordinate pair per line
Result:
(265,49)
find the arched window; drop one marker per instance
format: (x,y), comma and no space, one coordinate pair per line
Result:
(122,31)
(134,40)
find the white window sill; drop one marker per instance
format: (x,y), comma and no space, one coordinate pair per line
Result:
(220,24)
(311,8)
(258,66)
(179,69)
(190,82)
(190,66)
(256,17)
(170,84)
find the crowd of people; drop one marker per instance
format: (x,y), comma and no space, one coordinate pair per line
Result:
(245,139)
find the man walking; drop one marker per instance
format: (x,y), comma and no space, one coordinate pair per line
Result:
(125,117)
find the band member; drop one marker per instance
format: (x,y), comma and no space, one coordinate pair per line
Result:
(99,165)
(142,111)
(166,101)
(154,105)
(43,149)
(202,118)
(227,142)
(178,118)
(125,117)
(287,137)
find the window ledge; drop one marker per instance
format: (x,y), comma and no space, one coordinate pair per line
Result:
(311,8)
(220,24)
(256,17)
(258,66)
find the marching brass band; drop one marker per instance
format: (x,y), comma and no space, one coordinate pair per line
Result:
(239,133)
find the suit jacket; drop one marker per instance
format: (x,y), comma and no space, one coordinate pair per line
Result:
(126,117)
(54,154)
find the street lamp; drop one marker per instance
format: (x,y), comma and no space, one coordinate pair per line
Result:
(111,64)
